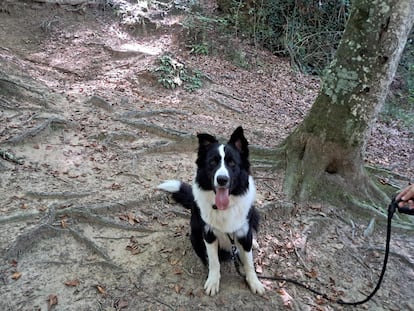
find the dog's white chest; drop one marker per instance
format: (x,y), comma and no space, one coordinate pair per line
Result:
(233,218)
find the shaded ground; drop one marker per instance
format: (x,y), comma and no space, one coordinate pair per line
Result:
(81,226)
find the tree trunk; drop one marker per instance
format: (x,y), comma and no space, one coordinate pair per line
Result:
(325,154)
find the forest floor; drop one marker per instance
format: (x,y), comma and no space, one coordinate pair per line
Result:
(87,133)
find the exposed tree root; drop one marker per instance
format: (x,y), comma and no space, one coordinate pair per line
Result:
(109,137)
(230,96)
(184,146)
(156,129)
(407,260)
(20,85)
(38,129)
(87,216)
(160,302)
(25,241)
(220,103)
(58,195)
(388,180)
(90,244)
(359,206)
(184,141)
(5,104)
(145,114)
(46,26)
(19,217)
(47,226)
(69,2)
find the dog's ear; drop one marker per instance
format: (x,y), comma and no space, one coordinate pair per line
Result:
(206,140)
(238,140)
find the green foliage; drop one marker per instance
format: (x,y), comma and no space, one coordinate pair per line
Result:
(198,30)
(400,101)
(238,58)
(172,74)
(193,82)
(199,49)
(306,31)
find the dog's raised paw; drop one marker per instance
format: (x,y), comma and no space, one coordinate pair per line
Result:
(212,285)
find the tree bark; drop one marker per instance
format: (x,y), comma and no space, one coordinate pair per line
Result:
(325,154)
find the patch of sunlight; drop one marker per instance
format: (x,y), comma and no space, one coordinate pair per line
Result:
(139,48)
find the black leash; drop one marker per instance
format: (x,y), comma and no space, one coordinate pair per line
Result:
(391,210)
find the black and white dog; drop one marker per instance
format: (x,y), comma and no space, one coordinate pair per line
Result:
(221,200)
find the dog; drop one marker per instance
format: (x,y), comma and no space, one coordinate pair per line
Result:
(221,200)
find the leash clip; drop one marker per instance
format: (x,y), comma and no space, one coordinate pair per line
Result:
(233,252)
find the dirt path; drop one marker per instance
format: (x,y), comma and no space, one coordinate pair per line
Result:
(90,134)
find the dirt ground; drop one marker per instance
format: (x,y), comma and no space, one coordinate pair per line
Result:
(87,133)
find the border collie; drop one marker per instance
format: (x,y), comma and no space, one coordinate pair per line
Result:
(221,201)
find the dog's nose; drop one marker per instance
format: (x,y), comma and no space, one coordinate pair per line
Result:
(222,180)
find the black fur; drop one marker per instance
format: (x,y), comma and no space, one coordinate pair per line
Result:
(238,166)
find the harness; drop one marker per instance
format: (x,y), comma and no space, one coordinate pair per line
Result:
(393,206)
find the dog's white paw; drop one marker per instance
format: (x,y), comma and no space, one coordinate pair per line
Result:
(212,284)
(255,285)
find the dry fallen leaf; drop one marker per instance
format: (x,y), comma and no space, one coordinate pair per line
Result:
(123,217)
(286,298)
(316,206)
(52,300)
(177,270)
(134,249)
(122,304)
(312,274)
(115,186)
(16,275)
(101,290)
(131,218)
(72,282)
(64,223)
(162,223)
(300,242)
(289,246)
(174,261)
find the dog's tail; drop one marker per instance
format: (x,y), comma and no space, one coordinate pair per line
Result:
(181,192)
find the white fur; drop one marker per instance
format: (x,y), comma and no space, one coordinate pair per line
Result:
(170,186)
(233,218)
(247,259)
(212,284)
(222,171)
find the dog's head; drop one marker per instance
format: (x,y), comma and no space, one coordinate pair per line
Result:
(223,168)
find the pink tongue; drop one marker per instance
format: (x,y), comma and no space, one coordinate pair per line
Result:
(222,198)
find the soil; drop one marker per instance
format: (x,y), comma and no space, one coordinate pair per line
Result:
(87,134)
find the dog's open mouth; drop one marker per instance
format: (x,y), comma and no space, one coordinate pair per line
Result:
(222,198)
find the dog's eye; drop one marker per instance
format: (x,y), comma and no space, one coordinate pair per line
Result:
(213,162)
(231,163)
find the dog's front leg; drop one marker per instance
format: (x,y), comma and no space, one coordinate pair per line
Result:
(246,257)
(213,280)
